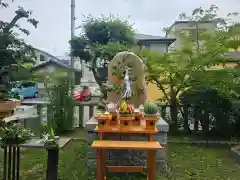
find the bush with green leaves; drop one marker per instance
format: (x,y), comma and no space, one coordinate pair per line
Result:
(14,134)
(61,102)
(213,110)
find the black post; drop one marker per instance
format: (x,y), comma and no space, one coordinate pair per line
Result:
(18,163)
(52,164)
(9,161)
(5,163)
(13,162)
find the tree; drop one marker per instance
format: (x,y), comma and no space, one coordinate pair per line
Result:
(100,40)
(188,67)
(13,50)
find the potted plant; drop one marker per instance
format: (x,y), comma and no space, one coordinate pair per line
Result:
(50,139)
(151,115)
(14,134)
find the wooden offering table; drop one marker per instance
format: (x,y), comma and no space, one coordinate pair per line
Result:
(103,146)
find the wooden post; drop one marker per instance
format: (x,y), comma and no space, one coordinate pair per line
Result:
(98,164)
(103,163)
(151,165)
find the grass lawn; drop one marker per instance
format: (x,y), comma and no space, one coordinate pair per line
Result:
(186,162)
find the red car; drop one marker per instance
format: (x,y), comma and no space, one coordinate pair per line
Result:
(82,93)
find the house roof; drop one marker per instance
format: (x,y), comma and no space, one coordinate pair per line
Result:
(46,53)
(55,60)
(56,63)
(151,38)
(204,21)
(235,55)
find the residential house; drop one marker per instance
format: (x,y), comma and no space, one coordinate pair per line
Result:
(191,27)
(194,28)
(46,62)
(159,44)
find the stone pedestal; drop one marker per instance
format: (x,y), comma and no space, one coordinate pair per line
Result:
(129,157)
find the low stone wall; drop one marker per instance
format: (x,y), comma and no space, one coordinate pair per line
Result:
(129,157)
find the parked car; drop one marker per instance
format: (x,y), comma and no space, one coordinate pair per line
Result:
(24,89)
(82,93)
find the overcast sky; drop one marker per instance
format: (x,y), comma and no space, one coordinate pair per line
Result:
(148,16)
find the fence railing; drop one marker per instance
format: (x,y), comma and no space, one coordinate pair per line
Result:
(83,110)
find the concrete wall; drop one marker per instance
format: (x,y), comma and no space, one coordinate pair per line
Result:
(186,27)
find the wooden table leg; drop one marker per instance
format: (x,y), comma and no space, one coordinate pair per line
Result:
(98,164)
(150,137)
(151,165)
(103,163)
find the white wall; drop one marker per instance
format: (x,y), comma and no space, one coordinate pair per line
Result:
(158,47)
(188,26)
(47,57)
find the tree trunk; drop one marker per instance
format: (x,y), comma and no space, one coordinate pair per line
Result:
(185,124)
(173,105)
(205,124)
(173,112)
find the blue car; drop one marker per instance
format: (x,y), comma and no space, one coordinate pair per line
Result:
(25,89)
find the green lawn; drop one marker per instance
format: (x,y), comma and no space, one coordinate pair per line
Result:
(185,163)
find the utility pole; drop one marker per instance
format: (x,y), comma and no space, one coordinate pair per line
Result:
(72,36)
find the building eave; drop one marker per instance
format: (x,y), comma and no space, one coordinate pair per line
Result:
(46,63)
(157,41)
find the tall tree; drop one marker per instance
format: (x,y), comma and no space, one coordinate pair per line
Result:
(13,50)
(99,41)
(188,67)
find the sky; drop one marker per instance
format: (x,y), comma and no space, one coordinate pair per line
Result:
(147,16)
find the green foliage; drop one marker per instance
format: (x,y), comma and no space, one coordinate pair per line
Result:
(14,134)
(61,101)
(100,40)
(214,110)
(190,65)
(115,88)
(13,50)
(150,108)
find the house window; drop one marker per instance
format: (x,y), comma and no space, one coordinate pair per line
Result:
(42,57)
(147,46)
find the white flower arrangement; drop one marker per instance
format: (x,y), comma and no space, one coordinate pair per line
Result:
(49,139)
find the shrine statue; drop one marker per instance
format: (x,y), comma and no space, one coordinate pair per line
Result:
(127,93)
(126,71)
